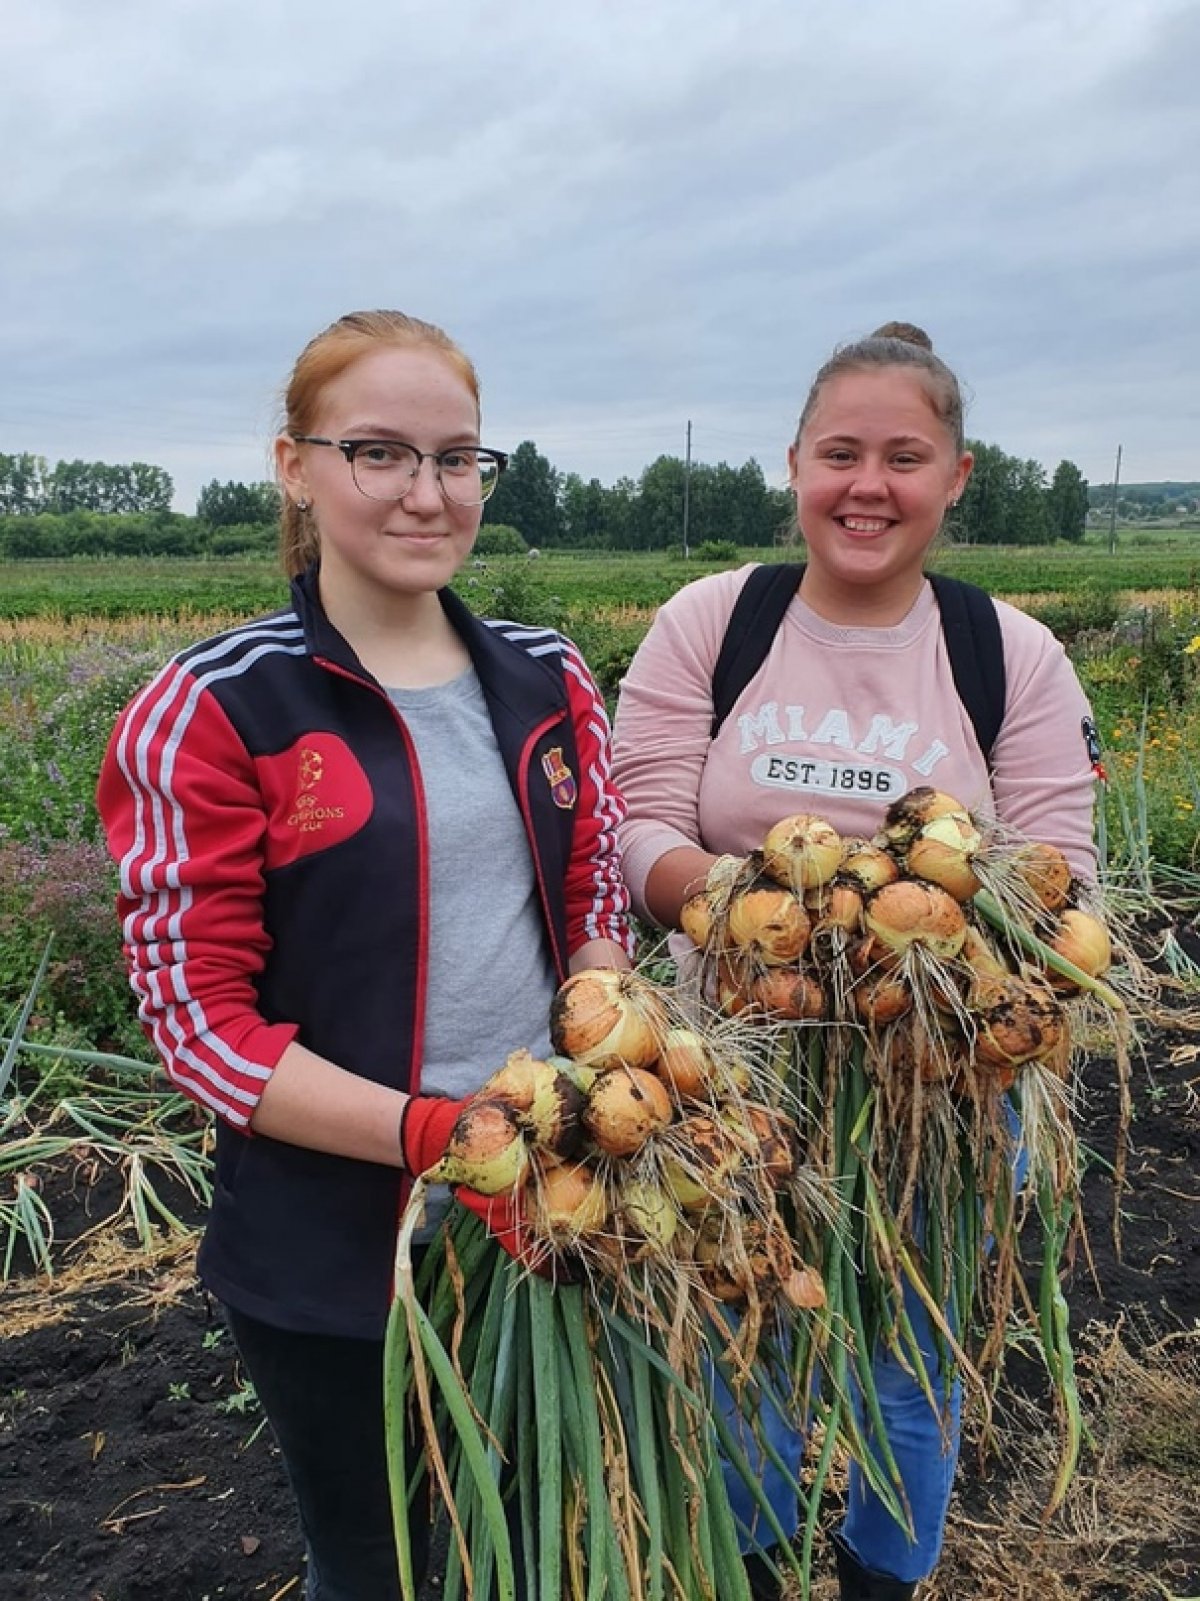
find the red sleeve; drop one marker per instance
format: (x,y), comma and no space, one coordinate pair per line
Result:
(186,824)
(597,900)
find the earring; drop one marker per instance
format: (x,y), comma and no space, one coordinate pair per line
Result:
(302,504)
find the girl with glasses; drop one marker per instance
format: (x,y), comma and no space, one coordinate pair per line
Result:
(361,842)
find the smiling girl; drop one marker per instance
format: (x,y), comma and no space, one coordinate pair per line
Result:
(854,702)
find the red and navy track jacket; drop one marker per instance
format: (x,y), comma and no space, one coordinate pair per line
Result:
(263,800)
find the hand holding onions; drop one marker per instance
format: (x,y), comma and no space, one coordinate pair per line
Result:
(629,1146)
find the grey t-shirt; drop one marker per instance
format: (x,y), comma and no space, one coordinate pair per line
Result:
(490,977)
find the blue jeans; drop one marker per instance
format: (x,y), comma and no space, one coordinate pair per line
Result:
(924,1444)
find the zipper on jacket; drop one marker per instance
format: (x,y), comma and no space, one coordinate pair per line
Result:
(413,1085)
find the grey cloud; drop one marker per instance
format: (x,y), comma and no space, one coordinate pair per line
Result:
(629,215)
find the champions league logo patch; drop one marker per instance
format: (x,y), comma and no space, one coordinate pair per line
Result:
(562,781)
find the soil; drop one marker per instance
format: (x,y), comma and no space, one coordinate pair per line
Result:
(131,1470)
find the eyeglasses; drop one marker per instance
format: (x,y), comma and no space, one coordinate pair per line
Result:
(385,469)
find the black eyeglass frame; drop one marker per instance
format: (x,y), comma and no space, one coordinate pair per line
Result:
(351,447)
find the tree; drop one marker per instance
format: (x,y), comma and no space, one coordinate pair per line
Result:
(1029,523)
(526,498)
(120,489)
(981,517)
(620,515)
(584,513)
(658,522)
(236,505)
(23,485)
(1067,503)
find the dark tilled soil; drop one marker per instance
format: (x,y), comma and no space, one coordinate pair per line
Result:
(129,1471)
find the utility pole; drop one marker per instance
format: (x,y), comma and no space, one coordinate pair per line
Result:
(687,477)
(1112,511)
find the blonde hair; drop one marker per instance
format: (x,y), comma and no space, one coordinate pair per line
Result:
(322,360)
(897,344)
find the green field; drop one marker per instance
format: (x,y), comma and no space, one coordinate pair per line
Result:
(571,582)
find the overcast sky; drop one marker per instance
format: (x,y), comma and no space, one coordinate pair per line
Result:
(630,213)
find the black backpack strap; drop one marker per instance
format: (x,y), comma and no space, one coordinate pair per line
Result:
(975,645)
(970,627)
(753,623)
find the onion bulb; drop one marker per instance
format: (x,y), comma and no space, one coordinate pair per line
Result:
(911,912)
(684,1063)
(1048,874)
(769,924)
(733,988)
(1014,1021)
(486,1150)
(651,1215)
(835,905)
(871,956)
(769,1138)
(568,1203)
(626,1106)
(881,998)
(1082,940)
(980,957)
(802,851)
(804,1287)
(787,993)
(602,1018)
(942,851)
(701,1162)
(766,1265)
(867,866)
(547,1100)
(916,808)
(696,919)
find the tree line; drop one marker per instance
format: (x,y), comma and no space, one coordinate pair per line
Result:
(91,508)
(1139,502)
(1007,502)
(30,487)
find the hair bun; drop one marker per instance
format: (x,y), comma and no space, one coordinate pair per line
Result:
(908,332)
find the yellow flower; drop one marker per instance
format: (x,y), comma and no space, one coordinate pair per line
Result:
(1190,650)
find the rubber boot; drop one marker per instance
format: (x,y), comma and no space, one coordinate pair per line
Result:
(856,1583)
(764,1586)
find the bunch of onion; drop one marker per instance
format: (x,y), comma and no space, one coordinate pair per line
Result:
(650,1157)
(662,1143)
(912,1013)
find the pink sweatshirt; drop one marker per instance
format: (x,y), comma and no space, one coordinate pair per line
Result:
(840,722)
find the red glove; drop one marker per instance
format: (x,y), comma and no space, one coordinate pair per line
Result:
(426,1124)
(503,1216)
